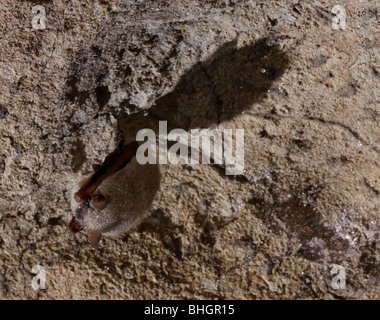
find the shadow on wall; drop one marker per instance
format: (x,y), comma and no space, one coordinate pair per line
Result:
(214,90)
(210,92)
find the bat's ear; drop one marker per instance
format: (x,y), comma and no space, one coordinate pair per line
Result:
(98,201)
(94,236)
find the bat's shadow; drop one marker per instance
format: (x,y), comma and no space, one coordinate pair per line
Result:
(215,90)
(210,92)
(231,81)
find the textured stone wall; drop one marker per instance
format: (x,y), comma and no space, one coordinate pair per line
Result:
(306,94)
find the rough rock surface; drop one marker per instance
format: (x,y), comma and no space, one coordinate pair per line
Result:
(306,95)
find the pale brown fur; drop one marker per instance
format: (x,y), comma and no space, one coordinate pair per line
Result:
(129,192)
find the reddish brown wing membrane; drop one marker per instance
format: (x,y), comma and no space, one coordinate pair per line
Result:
(113,163)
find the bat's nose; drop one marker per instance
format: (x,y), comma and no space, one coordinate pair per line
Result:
(74,226)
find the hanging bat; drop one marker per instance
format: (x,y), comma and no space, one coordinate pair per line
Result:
(116,196)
